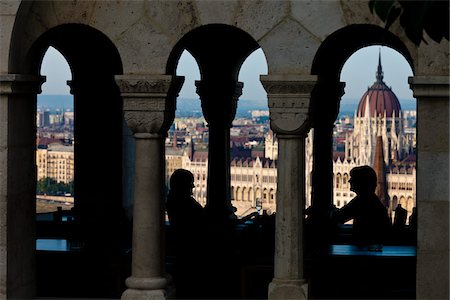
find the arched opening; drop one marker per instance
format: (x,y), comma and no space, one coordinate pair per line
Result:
(219,61)
(332,154)
(97,227)
(54,140)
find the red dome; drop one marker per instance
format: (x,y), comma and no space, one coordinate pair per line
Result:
(381,99)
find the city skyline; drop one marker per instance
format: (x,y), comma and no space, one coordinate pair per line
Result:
(358,73)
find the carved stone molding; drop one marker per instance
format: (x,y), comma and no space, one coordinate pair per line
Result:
(430,86)
(20,84)
(149,101)
(289,102)
(325,103)
(144,121)
(219,100)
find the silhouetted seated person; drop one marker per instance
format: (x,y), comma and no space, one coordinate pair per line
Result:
(187,217)
(412,230)
(400,218)
(371,223)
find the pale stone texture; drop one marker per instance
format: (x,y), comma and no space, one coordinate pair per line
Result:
(142,47)
(164,13)
(433,275)
(290,33)
(6,27)
(8,7)
(434,175)
(216,12)
(17,194)
(278,47)
(433,217)
(253,18)
(8,10)
(432,93)
(289,100)
(328,13)
(433,58)
(74,11)
(126,14)
(148,116)
(357,12)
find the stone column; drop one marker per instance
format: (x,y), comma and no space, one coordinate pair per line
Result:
(289,100)
(149,107)
(432,94)
(325,100)
(219,103)
(18,184)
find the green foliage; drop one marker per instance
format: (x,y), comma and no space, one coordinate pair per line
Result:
(431,16)
(50,187)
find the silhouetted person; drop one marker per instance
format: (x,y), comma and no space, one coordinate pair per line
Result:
(371,223)
(187,218)
(400,217)
(412,230)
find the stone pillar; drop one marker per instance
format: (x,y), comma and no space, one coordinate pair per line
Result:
(432,94)
(289,99)
(149,107)
(18,184)
(325,100)
(219,103)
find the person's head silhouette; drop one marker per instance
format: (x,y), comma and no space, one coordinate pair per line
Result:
(182,182)
(363,180)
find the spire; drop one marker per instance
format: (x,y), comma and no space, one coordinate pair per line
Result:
(380,169)
(379,69)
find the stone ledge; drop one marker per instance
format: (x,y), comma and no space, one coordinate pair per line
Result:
(430,86)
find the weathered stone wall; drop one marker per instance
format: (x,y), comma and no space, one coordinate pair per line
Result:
(146,32)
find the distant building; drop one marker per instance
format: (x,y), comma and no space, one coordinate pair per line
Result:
(56,162)
(43,119)
(253,180)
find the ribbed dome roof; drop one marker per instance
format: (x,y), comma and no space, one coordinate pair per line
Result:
(380,97)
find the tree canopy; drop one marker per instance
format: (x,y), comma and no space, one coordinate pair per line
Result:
(431,16)
(49,186)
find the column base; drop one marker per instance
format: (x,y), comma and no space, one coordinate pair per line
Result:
(145,288)
(134,294)
(288,289)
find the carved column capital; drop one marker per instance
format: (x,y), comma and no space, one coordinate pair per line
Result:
(289,102)
(20,84)
(325,103)
(149,101)
(430,87)
(219,99)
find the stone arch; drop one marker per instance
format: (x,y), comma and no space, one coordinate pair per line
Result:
(238,196)
(409,205)
(251,195)
(219,59)
(244,194)
(403,202)
(271,196)
(345,178)
(265,195)
(341,44)
(338,184)
(257,193)
(325,97)
(394,202)
(94,61)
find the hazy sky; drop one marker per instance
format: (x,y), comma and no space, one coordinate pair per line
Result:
(358,73)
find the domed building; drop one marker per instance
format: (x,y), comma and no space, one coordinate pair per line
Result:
(378,114)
